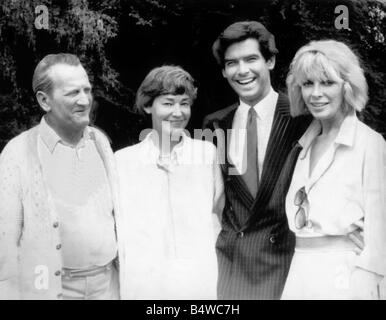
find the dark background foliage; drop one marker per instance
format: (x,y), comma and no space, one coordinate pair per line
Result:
(119,41)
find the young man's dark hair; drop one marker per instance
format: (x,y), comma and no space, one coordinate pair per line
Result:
(243,30)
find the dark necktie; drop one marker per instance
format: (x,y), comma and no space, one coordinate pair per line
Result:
(251,175)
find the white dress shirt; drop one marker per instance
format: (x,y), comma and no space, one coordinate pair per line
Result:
(265,110)
(78,183)
(347,185)
(171,209)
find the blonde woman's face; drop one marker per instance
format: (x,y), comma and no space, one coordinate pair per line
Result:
(323,98)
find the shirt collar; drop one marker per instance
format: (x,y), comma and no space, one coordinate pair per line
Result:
(345,136)
(51,138)
(153,151)
(265,108)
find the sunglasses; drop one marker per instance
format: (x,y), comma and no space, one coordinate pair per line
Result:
(301,217)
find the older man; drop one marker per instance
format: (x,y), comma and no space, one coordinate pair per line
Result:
(57,196)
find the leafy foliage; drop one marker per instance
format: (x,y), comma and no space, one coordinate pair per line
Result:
(119,41)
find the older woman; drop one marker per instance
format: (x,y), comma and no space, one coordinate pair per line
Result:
(338,182)
(171,196)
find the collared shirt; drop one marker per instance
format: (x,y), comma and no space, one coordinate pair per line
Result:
(171,208)
(265,110)
(346,186)
(77,180)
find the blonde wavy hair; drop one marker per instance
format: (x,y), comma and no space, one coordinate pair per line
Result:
(327,60)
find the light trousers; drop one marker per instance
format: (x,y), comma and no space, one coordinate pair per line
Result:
(101,286)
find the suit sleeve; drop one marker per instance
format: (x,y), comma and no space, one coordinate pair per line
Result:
(207,123)
(10,222)
(373,257)
(219,195)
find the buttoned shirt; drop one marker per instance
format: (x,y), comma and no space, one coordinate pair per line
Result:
(171,207)
(265,110)
(77,180)
(347,185)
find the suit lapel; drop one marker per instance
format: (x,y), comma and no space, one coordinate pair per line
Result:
(278,144)
(229,171)
(223,125)
(280,141)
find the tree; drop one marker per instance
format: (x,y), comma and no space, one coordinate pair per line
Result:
(119,41)
(81,27)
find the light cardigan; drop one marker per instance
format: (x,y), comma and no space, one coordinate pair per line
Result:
(30,262)
(347,185)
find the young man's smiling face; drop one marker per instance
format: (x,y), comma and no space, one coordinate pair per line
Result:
(247,71)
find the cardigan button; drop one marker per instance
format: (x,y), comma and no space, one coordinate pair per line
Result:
(240,234)
(272,239)
(58,246)
(58,273)
(55,224)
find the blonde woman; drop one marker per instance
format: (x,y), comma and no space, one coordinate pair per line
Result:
(338,182)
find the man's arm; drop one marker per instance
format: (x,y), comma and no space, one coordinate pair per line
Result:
(218,194)
(207,123)
(357,237)
(10,222)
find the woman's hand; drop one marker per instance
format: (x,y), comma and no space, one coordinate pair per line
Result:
(365,285)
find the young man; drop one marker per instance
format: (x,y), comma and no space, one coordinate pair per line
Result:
(255,246)
(57,196)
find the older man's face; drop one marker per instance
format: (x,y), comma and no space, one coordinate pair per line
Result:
(70,99)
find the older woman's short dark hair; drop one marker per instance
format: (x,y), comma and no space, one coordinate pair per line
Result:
(241,31)
(327,60)
(161,81)
(41,80)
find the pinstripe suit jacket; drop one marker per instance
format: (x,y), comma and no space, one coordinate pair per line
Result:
(255,246)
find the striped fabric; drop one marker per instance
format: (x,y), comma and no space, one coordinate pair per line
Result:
(255,246)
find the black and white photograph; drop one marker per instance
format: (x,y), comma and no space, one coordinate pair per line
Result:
(176,151)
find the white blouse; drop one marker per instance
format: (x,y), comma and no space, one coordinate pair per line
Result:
(348,184)
(172,211)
